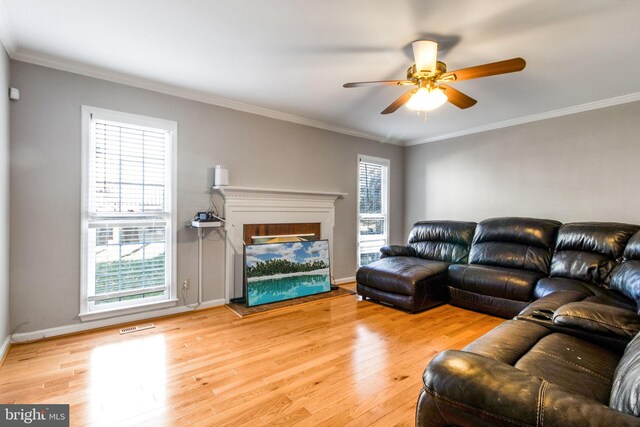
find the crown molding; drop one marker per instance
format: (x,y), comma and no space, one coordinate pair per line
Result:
(168,89)
(44,60)
(6,35)
(604,103)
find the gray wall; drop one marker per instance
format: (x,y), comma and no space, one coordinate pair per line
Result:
(260,152)
(4,196)
(582,167)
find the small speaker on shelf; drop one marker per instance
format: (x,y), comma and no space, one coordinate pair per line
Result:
(221,175)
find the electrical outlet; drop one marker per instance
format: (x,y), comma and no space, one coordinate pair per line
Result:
(185,284)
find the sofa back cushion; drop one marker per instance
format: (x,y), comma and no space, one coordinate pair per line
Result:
(625,278)
(446,241)
(523,243)
(625,392)
(589,251)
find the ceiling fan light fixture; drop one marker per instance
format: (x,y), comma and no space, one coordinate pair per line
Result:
(425,53)
(426,99)
(432,80)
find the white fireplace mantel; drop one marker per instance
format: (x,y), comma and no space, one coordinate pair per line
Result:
(248,205)
(229,191)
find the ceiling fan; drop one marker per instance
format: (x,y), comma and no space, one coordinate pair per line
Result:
(431,78)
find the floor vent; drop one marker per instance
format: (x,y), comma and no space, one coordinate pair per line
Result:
(136,328)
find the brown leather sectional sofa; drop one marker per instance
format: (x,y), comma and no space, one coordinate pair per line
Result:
(571,354)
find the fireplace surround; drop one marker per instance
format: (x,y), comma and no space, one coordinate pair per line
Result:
(281,232)
(255,206)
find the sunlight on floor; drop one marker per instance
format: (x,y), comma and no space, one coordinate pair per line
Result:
(369,355)
(128,379)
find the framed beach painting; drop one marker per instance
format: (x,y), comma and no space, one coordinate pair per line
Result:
(280,271)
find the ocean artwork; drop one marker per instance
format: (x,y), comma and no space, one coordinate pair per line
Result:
(280,271)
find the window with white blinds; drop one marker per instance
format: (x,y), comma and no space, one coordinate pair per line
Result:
(128,217)
(373,215)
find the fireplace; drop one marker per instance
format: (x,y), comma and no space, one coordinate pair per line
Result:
(286,232)
(271,212)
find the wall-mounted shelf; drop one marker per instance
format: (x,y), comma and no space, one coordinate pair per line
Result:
(205,224)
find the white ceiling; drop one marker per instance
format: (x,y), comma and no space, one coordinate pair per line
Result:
(289,58)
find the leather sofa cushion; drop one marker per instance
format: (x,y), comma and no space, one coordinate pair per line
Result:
(549,285)
(590,292)
(575,365)
(598,318)
(466,389)
(500,307)
(497,282)
(632,250)
(511,255)
(613,299)
(585,266)
(606,238)
(523,231)
(523,243)
(447,241)
(588,251)
(509,341)
(399,275)
(625,392)
(542,310)
(625,278)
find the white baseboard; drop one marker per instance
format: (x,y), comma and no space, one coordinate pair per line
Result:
(4,348)
(211,303)
(345,280)
(86,326)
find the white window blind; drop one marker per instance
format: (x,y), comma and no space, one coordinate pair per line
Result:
(130,166)
(127,229)
(373,187)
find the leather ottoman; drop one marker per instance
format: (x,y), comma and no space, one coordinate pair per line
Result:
(411,283)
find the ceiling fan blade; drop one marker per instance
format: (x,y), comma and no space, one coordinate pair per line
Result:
(458,98)
(379,83)
(399,102)
(501,67)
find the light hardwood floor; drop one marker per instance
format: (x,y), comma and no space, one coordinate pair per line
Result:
(339,362)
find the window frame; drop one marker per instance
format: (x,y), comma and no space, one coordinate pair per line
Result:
(87,151)
(386,163)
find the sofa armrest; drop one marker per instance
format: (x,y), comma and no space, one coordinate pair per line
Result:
(467,389)
(550,303)
(598,318)
(542,312)
(397,250)
(561,408)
